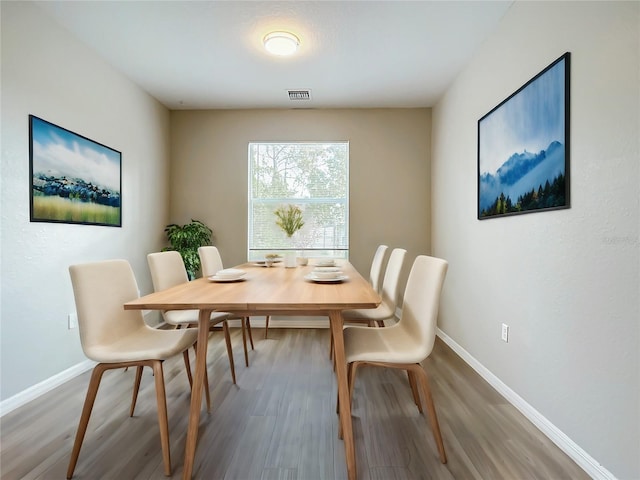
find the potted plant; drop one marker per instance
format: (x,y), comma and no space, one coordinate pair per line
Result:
(186,239)
(289,219)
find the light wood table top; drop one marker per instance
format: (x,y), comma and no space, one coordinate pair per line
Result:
(268,291)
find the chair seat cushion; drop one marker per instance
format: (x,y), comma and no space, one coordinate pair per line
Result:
(181,317)
(142,344)
(382,312)
(389,345)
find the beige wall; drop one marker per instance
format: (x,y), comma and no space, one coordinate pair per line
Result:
(568,281)
(48,73)
(389,172)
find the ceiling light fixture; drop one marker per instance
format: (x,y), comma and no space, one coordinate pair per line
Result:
(281,43)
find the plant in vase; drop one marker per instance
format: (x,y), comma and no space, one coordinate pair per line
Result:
(186,239)
(289,219)
(270,258)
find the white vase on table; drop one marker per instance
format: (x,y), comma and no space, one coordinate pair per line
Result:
(290,259)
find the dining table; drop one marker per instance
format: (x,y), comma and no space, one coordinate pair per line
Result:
(274,290)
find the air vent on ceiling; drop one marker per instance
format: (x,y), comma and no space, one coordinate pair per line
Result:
(299,94)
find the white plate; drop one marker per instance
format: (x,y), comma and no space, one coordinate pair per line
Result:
(216,278)
(230,273)
(312,278)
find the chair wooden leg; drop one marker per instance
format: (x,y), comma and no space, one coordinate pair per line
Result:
(331,347)
(244,342)
(163,420)
(206,382)
(332,357)
(351,371)
(266,326)
(333,360)
(351,379)
(89,400)
(227,339)
(207,394)
(136,387)
(431,410)
(247,319)
(414,390)
(187,365)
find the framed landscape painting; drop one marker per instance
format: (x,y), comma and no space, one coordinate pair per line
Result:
(73,179)
(523,147)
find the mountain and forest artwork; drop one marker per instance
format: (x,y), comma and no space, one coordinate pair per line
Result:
(73,179)
(523,147)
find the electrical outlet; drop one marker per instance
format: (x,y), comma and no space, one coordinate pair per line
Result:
(72,320)
(505,333)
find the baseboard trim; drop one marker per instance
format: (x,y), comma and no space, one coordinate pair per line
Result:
(43,387)
(568,446)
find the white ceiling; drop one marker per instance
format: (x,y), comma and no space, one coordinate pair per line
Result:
(353,54)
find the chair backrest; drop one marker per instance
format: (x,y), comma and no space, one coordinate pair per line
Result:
(422,300)
(210,260)
(391,280)
(100,289)
(167,269)
(375,274)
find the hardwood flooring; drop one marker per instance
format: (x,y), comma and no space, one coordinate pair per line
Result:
(279,423)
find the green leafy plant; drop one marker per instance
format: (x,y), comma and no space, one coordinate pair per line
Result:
(289,219)
(186,239)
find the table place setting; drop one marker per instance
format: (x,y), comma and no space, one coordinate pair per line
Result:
(228,275)
(326,274)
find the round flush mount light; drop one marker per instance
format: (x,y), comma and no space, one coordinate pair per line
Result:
(281,43)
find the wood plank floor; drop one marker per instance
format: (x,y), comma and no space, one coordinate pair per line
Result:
(279,423)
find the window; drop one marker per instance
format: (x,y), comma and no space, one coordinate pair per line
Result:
(312,176)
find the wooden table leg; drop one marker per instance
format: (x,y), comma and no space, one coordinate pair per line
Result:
(196,393)
(335,318)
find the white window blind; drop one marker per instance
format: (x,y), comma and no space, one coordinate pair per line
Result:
(312,176)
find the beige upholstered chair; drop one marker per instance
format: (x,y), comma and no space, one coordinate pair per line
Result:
(168,270)
(389,294)
(118,338)
(210,263)
(410,341)
(375,273)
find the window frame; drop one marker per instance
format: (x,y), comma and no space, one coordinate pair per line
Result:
(340,251)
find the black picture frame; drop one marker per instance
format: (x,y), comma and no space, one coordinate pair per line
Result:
(523,147)
(73,179)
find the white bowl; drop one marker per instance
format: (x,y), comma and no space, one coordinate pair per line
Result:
(327,275)
(326,269)
(326,262)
